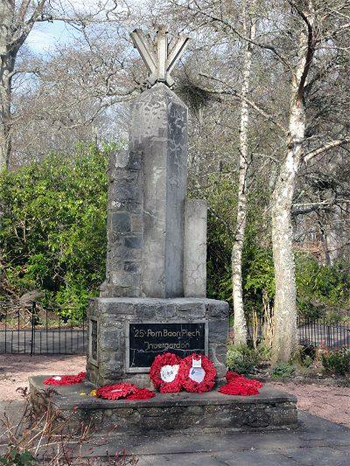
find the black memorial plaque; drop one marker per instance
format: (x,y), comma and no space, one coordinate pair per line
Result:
(146,341)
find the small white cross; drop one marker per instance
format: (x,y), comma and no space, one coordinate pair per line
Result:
(160,57)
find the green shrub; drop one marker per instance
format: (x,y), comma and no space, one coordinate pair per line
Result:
(336,361)
(18,458)
(242,359)
(283,369)
(53,235)
(323,291)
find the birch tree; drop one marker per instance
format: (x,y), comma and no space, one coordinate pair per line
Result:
(311,17)
(16,22)
(302,40)
(240,326)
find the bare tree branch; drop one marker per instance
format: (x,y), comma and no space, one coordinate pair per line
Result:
(326,147)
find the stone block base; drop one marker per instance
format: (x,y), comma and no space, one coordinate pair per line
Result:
(109,359)
(190,412)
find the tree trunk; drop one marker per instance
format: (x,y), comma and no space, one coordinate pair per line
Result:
(285,311)
(285,329)
(240,326)
(5,115)
(7,62)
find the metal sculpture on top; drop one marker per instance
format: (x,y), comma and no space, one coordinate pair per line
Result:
(159,56)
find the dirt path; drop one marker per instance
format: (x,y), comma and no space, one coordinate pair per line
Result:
(329,402)
(15,370)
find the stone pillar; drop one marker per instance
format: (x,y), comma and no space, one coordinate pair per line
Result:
(195,248)
(159,131)
(146,201)
(124,226)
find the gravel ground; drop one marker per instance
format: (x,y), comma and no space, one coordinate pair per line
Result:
(327,401)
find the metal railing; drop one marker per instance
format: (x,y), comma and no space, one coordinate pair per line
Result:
(37,330)
(315,332)
(321,332)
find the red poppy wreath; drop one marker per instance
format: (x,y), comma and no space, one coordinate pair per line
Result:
(141,394)
(127,391)
(116,391)
(65,379)
(164,373)
(197,373)
(240,385)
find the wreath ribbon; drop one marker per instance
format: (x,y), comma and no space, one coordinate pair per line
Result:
(164,373)
(197,373)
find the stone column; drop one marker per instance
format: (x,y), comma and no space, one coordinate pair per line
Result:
(195,248)
(124,226)
(159,131)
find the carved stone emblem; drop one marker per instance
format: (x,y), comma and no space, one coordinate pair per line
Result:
(160,56)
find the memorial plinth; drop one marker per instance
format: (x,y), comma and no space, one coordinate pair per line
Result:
(187,412)
(132,331)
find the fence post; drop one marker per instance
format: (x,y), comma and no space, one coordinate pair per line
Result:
(33,322)
(328,336)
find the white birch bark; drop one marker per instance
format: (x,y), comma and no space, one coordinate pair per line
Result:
(240,326)
(6,70)
(285,311)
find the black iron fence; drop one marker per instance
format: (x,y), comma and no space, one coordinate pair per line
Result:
(322,332)
(36,330)
(315,332)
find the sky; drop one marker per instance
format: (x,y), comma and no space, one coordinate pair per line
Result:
(44,36)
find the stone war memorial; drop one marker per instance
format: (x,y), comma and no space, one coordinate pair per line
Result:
(153,300)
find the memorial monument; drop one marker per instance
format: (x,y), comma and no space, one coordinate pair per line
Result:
(154,297)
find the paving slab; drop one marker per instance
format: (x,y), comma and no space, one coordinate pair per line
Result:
(316,442)
(320,456)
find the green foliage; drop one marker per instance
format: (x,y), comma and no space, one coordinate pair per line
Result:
(258,273)
(336,361)
(53,235)
(242,359)
(322,290)
(258,277)
(283,369)
(18,458)
(222,201)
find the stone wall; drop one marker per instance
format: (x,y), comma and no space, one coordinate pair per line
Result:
(124,226)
